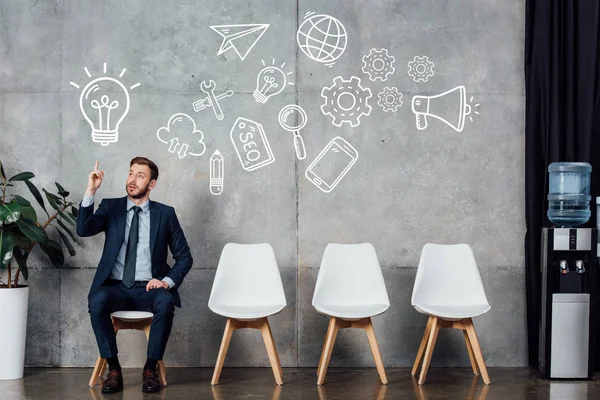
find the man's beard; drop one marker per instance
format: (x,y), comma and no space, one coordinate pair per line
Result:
(142,192)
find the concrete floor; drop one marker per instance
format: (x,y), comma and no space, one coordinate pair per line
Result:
(341,384)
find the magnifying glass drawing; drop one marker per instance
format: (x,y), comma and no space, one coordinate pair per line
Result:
(292,118)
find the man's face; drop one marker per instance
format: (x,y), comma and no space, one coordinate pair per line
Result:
(138,181)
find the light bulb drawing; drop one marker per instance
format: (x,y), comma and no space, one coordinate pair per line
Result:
(104,103)
(270,81)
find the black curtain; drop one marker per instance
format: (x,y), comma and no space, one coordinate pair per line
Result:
(562,118)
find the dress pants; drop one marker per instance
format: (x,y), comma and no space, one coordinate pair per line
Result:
(114,296)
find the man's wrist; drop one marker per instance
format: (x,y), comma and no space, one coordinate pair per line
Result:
(90,192)
(169,282)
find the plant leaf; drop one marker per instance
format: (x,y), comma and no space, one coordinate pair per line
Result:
(54,252)
(55,197)
(29,213)
(61,190)
(22,200)
(22,176)
(68,218)
(10,212)
(51,200)
(19,238)
(21,257)
(36,193)
(66,242)
(33,231)
(2,174)
(6,249)
(66,228)
(74,211)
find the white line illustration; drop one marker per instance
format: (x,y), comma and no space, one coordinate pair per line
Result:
(211,100)
(322,38)
(270,81)
(449,107)
(205,102)
(181,133)
(420,69)
(104,103)
(217,173)
(332,164)
(389,99)
(293,118)
(378,64)
(241,38)
(346,101)
(251,144)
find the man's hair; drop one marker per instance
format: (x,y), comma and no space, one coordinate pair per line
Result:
(149,163)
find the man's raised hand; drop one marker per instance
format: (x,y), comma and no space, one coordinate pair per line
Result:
(94,180)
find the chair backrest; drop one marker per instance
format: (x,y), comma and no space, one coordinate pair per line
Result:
(247,274)
(350,274)
(448,274)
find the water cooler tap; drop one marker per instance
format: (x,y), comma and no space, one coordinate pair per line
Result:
(579,268)
(564,268)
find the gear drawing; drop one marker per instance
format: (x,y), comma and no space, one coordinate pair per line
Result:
(378,64)
(420,68)
(346,101)
(390,99)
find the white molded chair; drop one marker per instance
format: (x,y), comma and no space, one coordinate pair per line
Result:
(350,289)
(449,290)
(247,289)
(136,320)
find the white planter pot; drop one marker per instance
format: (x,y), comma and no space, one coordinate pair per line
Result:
(13,329)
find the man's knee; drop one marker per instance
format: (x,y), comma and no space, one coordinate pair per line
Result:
(97,301)
(163,301)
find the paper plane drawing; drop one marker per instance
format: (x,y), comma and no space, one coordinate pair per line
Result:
(240,38)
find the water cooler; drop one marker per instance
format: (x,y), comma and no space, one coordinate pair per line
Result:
(568,277)
(567,325)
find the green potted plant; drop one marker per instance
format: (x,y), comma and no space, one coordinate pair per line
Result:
(20,232)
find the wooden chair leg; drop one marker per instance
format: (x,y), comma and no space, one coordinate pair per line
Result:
(162,373)
(471,355)
(470,328)
(331,323)
(229,328)
(97,372)
(435,329)
(421,351)
(375,350)
(267,335)
(329,342)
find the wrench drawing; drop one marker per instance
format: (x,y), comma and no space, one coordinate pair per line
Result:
(212,100)
(201,104)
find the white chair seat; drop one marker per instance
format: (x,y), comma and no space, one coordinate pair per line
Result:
(451,312)
(351,312)
(245,311)
(132,316)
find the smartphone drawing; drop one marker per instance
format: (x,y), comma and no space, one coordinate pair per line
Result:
(330,166)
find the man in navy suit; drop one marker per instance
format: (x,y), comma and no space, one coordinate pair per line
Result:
(133,273)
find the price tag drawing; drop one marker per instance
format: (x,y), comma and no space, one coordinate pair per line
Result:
(251,144)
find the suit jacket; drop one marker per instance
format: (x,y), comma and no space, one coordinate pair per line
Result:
(165,231)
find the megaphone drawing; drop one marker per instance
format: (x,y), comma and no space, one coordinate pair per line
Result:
(450,107)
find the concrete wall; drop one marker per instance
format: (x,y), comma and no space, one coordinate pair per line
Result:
(408,186)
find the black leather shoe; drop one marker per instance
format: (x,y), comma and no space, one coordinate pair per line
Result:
(113,382)
(150,383)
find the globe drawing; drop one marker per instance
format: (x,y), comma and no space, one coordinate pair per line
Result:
(322,37)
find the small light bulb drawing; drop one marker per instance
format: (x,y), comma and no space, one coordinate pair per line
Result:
(270,82)
(104,103)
